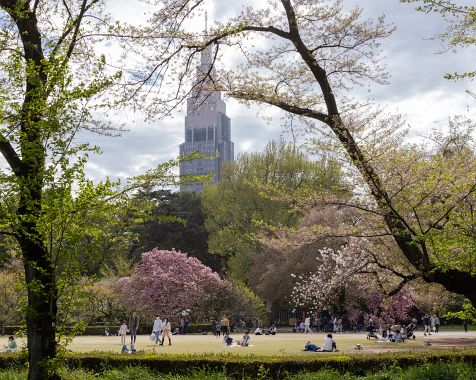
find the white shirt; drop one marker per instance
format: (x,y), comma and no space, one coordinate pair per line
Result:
(157,325)
(307,321)
(122,330)
(327,345)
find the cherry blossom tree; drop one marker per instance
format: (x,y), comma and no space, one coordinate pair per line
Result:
(352,277)
(306,58)
(362,302)
(168,282)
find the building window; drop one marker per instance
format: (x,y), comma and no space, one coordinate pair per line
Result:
(211,134)
(188,135)
(200,134)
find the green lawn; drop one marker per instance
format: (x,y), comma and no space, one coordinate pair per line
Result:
(280,344)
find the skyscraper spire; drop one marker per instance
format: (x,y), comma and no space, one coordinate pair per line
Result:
(205,58)
(207,127)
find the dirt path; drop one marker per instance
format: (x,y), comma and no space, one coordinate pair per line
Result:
(435,341)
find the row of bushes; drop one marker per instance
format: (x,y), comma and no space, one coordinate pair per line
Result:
(242,366)
(99,330)
(433,371)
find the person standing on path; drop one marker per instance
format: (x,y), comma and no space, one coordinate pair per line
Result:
(166,331)
(157,328)
(122,332)
(225,325)
(133,326)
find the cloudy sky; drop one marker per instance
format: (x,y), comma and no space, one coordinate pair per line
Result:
(417,90)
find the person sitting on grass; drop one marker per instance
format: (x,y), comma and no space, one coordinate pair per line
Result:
(227,340)
(312,347)
(12,344)
(258,331)
(271,331)
(245,340)
(397,337)
(329,344)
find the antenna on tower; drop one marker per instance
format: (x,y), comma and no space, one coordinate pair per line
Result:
(206,22)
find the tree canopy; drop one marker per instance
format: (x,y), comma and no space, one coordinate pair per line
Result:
(315,54)
(168,282)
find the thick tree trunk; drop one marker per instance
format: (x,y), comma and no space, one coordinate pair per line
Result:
(39,269)
(41,314)
(39,273)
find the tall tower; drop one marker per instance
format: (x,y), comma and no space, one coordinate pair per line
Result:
(207,128)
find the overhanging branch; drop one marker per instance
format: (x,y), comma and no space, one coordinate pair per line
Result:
(12,157)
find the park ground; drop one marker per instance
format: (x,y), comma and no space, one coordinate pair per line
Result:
(287,344)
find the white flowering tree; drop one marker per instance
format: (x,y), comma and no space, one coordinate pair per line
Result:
(353,272)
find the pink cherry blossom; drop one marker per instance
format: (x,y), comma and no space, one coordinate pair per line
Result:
(167,282)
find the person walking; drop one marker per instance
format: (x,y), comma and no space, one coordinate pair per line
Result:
(133,326)
(427,323)
(339,325)
(307,325)
(437,323)
(122,332)
(157,328)
(214,327)
(166,331)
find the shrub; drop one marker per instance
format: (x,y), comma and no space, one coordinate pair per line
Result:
(438,370)
(421,365)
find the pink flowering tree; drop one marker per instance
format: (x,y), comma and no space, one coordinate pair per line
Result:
(168,282)
(361,302)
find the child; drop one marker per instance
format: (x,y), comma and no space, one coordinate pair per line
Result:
(166,331)
(218,330)
(12,344)
(245,340)
(228,340)
(122,332)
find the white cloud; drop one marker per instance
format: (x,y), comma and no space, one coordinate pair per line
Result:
(417,89)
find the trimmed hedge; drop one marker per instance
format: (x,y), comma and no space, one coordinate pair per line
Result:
(276,367)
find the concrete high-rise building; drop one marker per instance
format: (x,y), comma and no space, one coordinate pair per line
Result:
(207,128)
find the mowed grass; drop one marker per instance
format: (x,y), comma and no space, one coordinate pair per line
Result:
(288,344)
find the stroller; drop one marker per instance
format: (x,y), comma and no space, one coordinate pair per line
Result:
(408,331)
(371,332)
